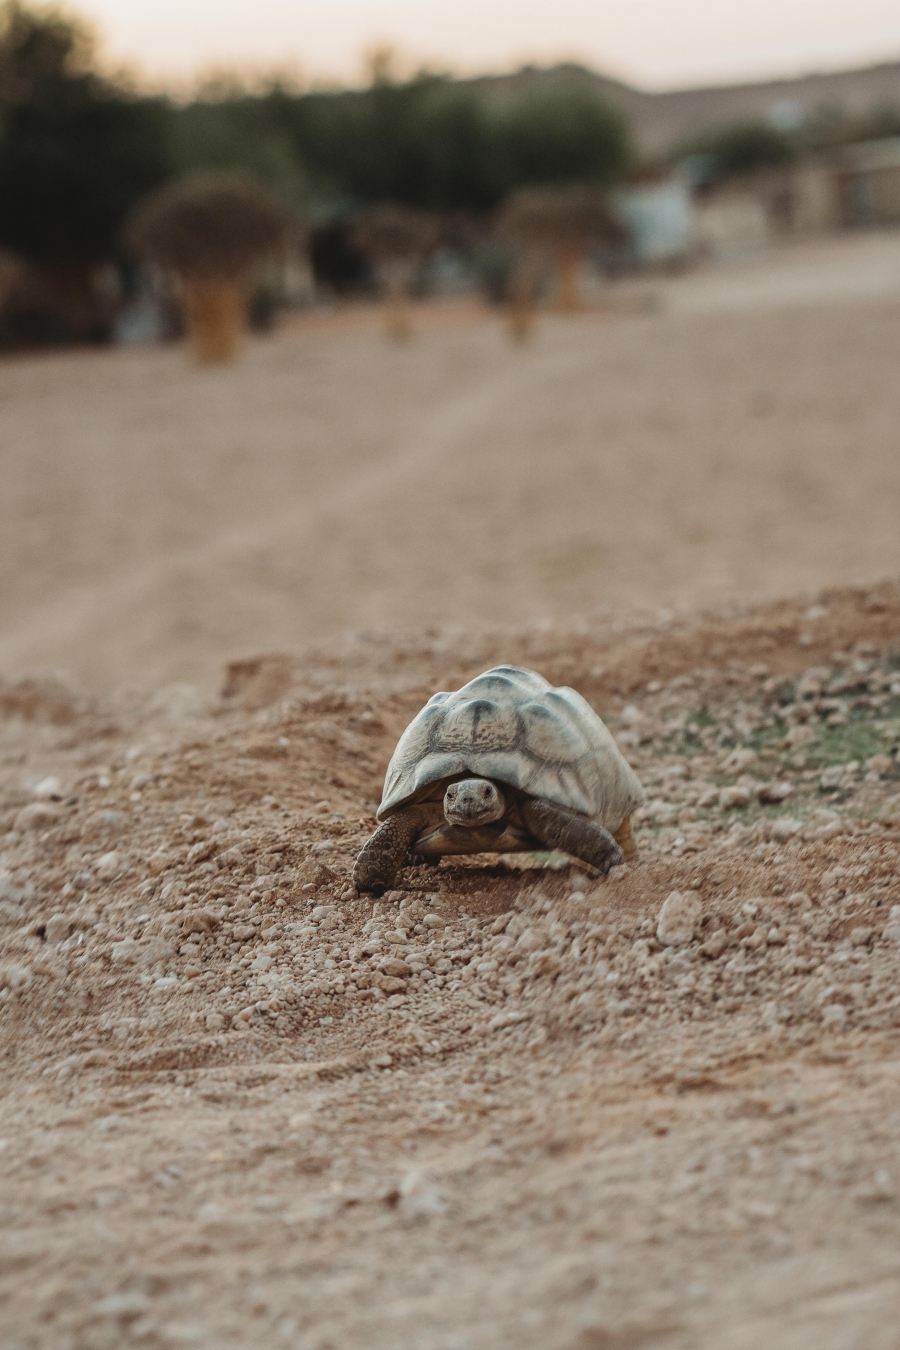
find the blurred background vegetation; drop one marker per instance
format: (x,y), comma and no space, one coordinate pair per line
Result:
(80,148)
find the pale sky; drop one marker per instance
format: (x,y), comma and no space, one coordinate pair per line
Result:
(655,43)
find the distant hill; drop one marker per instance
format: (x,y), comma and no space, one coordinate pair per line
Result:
(661,119)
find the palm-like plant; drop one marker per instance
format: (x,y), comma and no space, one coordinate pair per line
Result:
(397,239)
(210,231)
(552,226)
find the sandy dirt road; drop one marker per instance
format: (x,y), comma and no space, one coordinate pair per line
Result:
(156,520)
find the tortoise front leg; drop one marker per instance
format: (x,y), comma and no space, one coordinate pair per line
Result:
(624,837)
(574,834)
(382,856)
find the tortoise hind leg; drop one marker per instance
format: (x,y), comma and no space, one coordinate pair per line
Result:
(382,856)
(624,837)
(557,827)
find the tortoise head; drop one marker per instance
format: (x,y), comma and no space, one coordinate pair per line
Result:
(473,802)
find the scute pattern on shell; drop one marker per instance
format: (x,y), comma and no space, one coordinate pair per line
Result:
(513,726)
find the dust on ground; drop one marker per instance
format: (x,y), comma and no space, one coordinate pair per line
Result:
(498,1107)
(738,444)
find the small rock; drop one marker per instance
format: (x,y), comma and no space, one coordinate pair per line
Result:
(48,789)
(834,1014)
(861,937)
(158,861)
(214,1021)
(108,866)
(112,820)
(732,797)
(715,945)
(199,921)
(798,900)
(435,921)
(774,792)
(388,984)
(739,760)
(419,1197)
(381,1062)
(784,828)
(322,911)
(314,873)
(530,940)
(201,851)
(15,978)
(58,927)
(880,764)
(679,918)
(37,816)
(799,736)
(393,966)
(125,952)
(106,1124)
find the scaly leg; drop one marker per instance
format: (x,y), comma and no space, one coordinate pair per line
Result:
(381,858)
(574,834)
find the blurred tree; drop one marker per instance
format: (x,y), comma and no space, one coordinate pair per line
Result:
(565,135)
(397,239)
(744,147)
(434,144)
(75,151)
(236,133)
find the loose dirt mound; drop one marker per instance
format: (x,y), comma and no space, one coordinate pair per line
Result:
(499,1107)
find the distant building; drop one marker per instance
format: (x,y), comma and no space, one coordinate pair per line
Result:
(661,219)
(868,182)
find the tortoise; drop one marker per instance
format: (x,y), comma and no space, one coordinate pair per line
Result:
(506,764)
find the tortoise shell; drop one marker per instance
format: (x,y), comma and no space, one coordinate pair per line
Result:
(513,726)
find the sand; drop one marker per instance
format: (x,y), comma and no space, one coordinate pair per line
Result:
(157,520)
(243,1105)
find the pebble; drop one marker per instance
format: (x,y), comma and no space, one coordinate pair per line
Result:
(731,797)
(58,927)
(108,866)
(125,952)
(37,816)
(199,921)
(715,945)
(393,966)
(679,918)
(214,1021)
(784,828)
(739,760)
(47,788)
(15,978)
